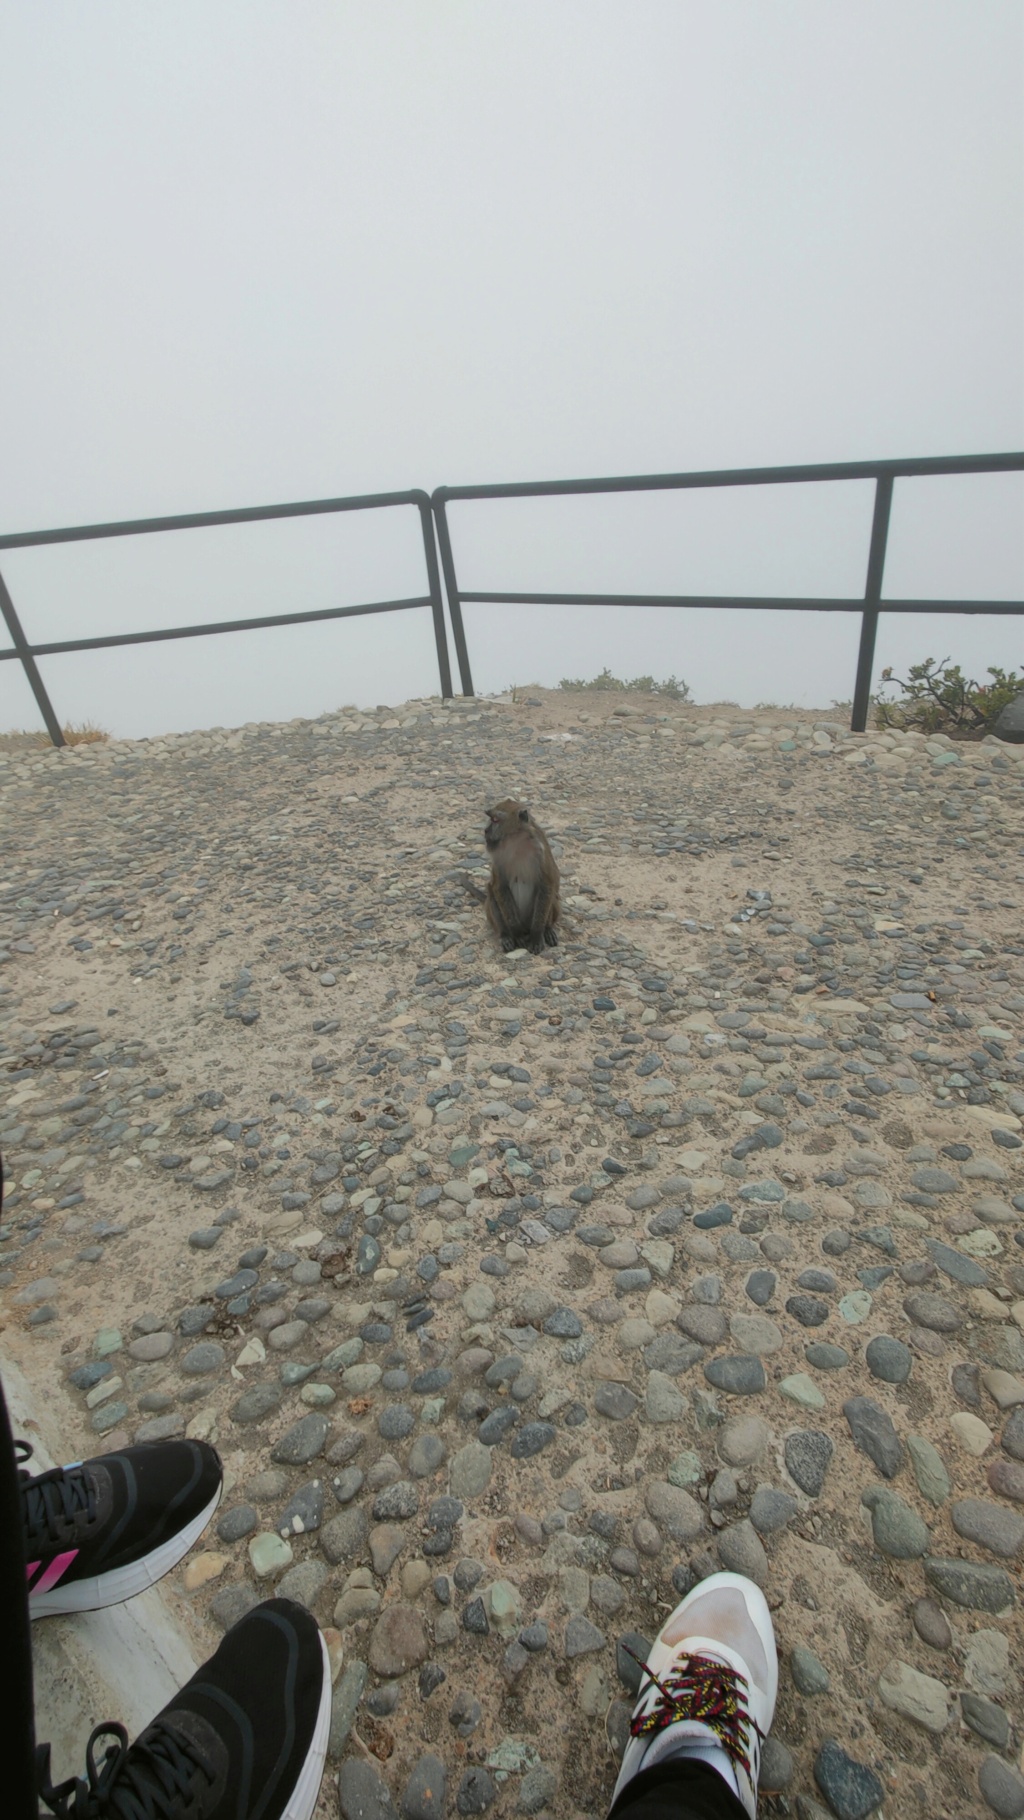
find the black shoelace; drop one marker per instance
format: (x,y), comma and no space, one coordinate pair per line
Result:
(53,1500)
(157,1784)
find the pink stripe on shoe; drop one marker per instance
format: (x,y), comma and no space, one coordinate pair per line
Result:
(57,1569)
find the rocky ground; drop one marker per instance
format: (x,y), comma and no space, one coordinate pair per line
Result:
(518,1293)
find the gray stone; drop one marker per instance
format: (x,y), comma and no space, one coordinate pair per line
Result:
(426,1454)
(582,1637)
(771,1510)
(986,1719)
(989,1525)
(935,1312)
(1001,1786)
(305,1511)
(345,1536)
(386,1542)
(663,1402)
(235,1524)
(920,1698)
(255,1404)
(470,1470)
(929,1471)
(974,1585)
(302,1442)
(851,1789)
(888,1359)
(742,1374)
(703,1323)
(809,1310)
(200,1360)
(424,1795)
(1009,726)
(743,1440)
(304,1582)
(1012,1437)
(397,1502)
(531,1439)
(808,1455)
(615,1401)
(347,1696)
(674,1511)
(954,1264)
(536,1789)
(742,1552)
(931,1624)
(874,1434)
(898,1531)
(362,1793)
(825,1357)
(776,1765)
(760,1286)
(476,1791)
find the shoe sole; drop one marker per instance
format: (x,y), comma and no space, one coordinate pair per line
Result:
(303,1798)
(122,1582)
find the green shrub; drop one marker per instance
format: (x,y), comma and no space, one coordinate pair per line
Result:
(938,698)
(673,686)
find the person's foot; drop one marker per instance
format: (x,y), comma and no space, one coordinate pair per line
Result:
(99,1531)
(709,1686)
(246,1737)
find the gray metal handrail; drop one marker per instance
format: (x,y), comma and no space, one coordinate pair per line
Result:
(434,515)
(26,652)
(883,473)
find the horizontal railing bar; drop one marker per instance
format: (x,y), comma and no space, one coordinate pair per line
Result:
(224,625)
(787,603)
(190,521)
(744,477)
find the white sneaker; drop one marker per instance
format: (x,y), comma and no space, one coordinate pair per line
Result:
(709,1686)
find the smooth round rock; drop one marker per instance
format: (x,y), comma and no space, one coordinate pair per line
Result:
(931,1624)
(1002,1788)
(888,1359)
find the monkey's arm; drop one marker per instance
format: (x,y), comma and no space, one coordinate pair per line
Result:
(500,895)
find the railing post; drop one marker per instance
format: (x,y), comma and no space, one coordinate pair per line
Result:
(452,586)
(872,597)
(21,645)
(436,602)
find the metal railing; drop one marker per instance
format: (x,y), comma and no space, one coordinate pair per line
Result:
(883,473)
(433,513)
(26,652)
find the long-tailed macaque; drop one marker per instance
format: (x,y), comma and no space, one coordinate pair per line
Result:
(522,892)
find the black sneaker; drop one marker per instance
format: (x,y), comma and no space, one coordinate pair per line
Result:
(246,1737)
(99,1531)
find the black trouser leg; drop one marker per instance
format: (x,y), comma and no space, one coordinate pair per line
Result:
(679,1789)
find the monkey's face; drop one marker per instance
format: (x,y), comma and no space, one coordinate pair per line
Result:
(503,820)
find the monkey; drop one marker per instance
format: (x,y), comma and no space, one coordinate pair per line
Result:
(522,892)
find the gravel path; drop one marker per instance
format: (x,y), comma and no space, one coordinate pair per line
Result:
(520,1292)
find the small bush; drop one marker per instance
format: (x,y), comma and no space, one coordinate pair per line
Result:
(672,687)
(938,698)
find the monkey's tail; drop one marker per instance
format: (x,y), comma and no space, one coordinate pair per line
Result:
(468,884)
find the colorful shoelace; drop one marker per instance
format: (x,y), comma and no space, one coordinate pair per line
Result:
(707,1692)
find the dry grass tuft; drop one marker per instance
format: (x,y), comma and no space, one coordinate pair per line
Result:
(21,740)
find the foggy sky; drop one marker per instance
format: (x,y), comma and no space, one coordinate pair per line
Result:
(260,250)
